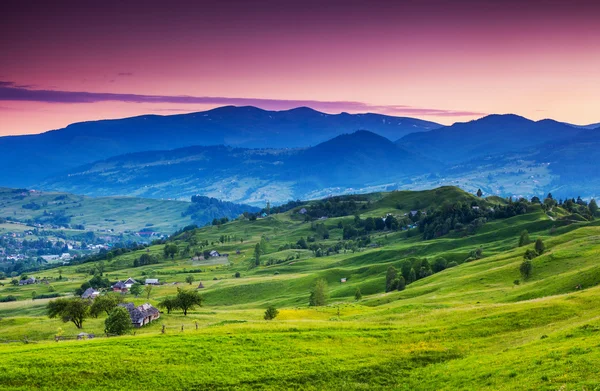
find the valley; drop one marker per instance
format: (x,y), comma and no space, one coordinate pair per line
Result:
(469,320)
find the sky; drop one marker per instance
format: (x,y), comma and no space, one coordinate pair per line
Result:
(445,61)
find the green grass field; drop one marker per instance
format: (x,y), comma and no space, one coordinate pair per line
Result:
(469,327)
(101,213)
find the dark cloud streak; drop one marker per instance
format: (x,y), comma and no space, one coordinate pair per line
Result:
(10,91)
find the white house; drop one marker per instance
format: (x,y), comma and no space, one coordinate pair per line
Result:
(129,282)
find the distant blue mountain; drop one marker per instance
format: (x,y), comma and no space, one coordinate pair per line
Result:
(34,157)
(349,161)
(491,135)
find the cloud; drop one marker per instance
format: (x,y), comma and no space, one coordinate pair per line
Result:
(9,91)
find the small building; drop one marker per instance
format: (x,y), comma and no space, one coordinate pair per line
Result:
(152,281)
(120,287)
(141,315)
(28,281)
(215,253)
(302,211)
(85,336)
(90,293)
(129,282)
(343,280)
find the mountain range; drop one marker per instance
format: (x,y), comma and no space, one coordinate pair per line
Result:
(248,155)
(35,157)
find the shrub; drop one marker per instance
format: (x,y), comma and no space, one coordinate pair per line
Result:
(7,299)
(271,313)
(451,264)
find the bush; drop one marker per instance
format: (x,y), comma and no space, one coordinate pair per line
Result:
(452,264)
(271,313)
(7,299)
(237,275)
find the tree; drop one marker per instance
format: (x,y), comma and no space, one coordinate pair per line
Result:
(189,279)
(524,238)
(118,321)
(540,247)
(526,269)
(169,303)
(357,295)
(188,300)
(105,303)
(479,193)
(136,289)
(237,275)
(412,276)
(593,207)
(74,310)
(390,278)
(439,264)
(271,313)
(170,250)
(148,290)
(318,294)
(257,252)
(401,284)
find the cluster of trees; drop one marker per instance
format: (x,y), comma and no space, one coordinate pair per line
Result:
(526,267)
(574,206)
(146,259)
(414,269)
(461,216)
(77,310)
(336,207)
(206,209)
(185,300)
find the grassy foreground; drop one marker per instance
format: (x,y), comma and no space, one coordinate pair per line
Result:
(469,327)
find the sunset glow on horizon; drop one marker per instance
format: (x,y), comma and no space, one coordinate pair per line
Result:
(77,62)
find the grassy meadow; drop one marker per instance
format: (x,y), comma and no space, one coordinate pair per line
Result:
(469,327)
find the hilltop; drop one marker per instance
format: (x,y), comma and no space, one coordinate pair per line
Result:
(33,158)
(470,319)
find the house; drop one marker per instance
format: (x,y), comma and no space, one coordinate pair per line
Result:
(141,315)
(215,253)
(30,280)
(475,207)
(81,336)
(129,282)
(152,281)
(414,212)
(343,280)
(303,211)
(119,287)
(90,293)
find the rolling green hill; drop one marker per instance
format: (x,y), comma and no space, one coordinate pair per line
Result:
(119,214)
(476,324)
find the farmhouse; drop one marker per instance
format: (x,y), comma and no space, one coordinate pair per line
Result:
(119,287)
(141,315)
(90,293)
(30,280)
(152,281)
(303,211)
(129,282)
(215,253)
